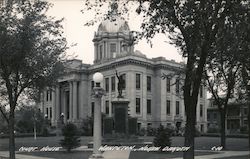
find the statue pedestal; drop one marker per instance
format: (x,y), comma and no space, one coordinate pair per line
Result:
(120,107)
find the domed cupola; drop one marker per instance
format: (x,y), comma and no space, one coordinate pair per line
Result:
(115,26)
(113,37)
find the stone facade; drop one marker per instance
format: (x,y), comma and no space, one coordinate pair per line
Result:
(152,99)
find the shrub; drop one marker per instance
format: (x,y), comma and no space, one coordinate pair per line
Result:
(213,130)
(162,137)
(243,130)
(71,137)
(87,127)
(197,132)
(142,132)
(151,131)
(45,132)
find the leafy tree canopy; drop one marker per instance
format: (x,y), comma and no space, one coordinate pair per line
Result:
(31,54)
(31,48)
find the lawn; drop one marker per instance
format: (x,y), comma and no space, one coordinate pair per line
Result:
(61,154)
(133,155)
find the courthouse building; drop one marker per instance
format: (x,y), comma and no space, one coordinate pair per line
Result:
(152,99)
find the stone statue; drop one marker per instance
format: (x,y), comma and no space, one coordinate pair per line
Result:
(121,83)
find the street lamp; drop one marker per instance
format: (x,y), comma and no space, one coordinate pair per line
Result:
(34,122)
(97,93)
(62,119)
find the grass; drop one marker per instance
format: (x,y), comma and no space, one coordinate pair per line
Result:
(164,155)
(238,157)
(133,155)
(61,154)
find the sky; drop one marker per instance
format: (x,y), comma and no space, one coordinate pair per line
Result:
(82,36)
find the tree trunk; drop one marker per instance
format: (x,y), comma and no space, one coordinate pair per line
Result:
(190,132)
(223,129)
(249,126)
(248,118)
(11,136)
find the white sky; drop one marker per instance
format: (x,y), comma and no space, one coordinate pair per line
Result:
(76,32)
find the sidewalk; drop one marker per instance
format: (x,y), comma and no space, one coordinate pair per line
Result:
(126,155)
(222,154)
(19,156)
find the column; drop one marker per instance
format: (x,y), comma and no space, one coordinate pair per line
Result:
(97,126)
(144,98)
(70,101)
(53,106)
(57,104)
(96,52)
(105,49)
(74,103)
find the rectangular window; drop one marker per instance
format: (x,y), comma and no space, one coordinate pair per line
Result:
(138,81)
(107,84)
(149,125)
(107,107)
(121,46)
(112,109)
(47,111)
(67,104)
(50,112)
(104,50)
(92,84)
(201,91)
(138,106)
(177,107)
(201,110)
(113,49)
(208,116)
(245,111)
(100,52)
(124,80)
(113,83)
(168,80)
(202,127)
(148,106)
(149,83)
(47,95)
(215,116)
(92,108)
(177,86)
(138,126)
(245,122)
(168,107)
(50,95)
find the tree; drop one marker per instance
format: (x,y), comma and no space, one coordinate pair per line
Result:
(71,137)
(193,27)
(162,137)
(3,125)
(231,50)
(246,84)
(223,69)
(243,42)
(27,117)
(244,59)
(222,76)
(31,52)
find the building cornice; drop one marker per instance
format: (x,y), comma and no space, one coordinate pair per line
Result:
(123,60)
(136,60)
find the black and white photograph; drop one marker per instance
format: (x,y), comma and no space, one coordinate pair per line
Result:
(124,79)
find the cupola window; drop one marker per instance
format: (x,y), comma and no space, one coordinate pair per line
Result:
(100,51)
(112,49)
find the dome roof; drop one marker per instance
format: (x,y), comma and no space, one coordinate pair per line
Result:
(114,26)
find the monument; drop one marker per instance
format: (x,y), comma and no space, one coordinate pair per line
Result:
(120,106)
